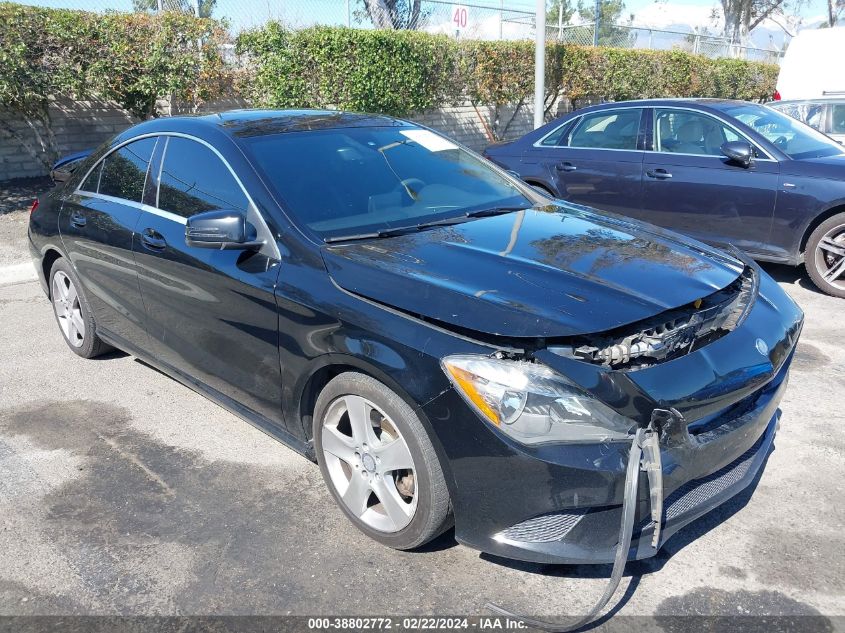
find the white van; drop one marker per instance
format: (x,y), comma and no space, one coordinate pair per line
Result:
(812,67)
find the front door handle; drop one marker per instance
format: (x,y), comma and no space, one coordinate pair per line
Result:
(567,166)
(77,219)
(659,174)
(153,240)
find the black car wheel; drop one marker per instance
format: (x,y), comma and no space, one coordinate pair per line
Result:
(825,256)
(379,463)
(73,313)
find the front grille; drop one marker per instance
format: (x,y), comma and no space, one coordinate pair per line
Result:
(698,492)
(544,528)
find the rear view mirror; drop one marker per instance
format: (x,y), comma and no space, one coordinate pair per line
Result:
(739,152)
(221,229)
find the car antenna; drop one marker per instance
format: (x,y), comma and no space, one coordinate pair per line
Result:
(644,455)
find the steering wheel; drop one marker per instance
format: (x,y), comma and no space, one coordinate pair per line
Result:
(781,142)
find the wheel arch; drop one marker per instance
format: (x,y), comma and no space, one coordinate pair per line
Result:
(327,366)
(48,258)
(815,223)
(537,182)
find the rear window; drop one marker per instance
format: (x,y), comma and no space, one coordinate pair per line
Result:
(617,129)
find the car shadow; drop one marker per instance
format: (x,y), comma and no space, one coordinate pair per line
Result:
(796,275)
(112,355)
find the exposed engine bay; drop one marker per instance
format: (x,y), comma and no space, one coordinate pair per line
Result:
(669,334)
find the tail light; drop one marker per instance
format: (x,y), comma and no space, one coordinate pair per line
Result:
(776,96)
(33,207)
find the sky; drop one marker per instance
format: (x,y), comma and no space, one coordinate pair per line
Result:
(246,13)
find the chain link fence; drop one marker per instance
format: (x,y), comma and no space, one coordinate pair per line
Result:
(626,36)
(474,19)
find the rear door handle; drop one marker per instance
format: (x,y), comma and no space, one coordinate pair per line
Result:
(153,240)
(660,174)
(567,166)
(77,219)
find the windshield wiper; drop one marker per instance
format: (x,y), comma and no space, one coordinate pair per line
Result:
(484,213)
(373,235)
(481,213)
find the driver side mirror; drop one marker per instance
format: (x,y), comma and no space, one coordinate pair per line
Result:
(221,229)
(739,152)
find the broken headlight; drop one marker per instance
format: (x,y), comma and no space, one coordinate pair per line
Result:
(532,403)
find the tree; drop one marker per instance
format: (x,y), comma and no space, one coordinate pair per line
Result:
(183,6)
(835,9)
(559,11)
(610,15)
(742,16)
(394,14)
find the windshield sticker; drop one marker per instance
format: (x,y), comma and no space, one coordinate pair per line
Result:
(429,140)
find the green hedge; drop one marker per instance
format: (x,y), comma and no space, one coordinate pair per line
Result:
(130,58)
(400,72)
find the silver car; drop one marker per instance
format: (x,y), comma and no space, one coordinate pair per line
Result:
(826,115)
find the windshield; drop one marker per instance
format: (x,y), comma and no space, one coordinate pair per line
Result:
(793,138)
(359,180)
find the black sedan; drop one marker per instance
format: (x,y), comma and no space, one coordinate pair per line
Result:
(724,172)
(450,345)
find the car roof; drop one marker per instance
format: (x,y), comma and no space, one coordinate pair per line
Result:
(249,123)
(703,103)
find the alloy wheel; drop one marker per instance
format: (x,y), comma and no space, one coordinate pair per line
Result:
(68,309)
(369,463)
(830,257)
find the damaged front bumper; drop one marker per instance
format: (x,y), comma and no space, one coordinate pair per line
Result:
(562,503)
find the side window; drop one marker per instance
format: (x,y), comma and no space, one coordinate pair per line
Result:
(194,179)
(686,132)
(837,119)
(125,171)
(92,180)
(555,137)
(615,129)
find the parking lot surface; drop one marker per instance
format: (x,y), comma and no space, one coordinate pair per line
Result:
(124,492)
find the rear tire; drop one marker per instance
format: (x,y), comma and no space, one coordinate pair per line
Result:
(73,312)
(824,257)
(370,446)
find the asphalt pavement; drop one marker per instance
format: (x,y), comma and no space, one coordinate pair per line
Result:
(124,492)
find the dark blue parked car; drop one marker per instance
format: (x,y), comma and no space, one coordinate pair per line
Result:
(449,344)
(724,172)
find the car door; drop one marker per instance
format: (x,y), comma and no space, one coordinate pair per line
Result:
(689,186)
(210,313)
(97,225)
(597,160)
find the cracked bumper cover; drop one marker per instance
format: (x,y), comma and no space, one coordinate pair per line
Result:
(562,503)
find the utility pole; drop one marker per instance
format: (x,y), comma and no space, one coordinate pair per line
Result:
(539,62)
(348,15)
(596,25)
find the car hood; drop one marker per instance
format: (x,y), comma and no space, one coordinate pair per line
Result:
(823,167)
(548,272)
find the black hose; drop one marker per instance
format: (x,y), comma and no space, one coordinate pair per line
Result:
(629,503)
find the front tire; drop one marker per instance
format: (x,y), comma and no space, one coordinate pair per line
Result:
(825,256)
(73,312)
(378,462)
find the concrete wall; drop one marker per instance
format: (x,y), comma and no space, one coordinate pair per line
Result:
(469,126)
(77,125)
(80,125)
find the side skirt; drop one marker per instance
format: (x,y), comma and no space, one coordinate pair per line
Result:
(257,420)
